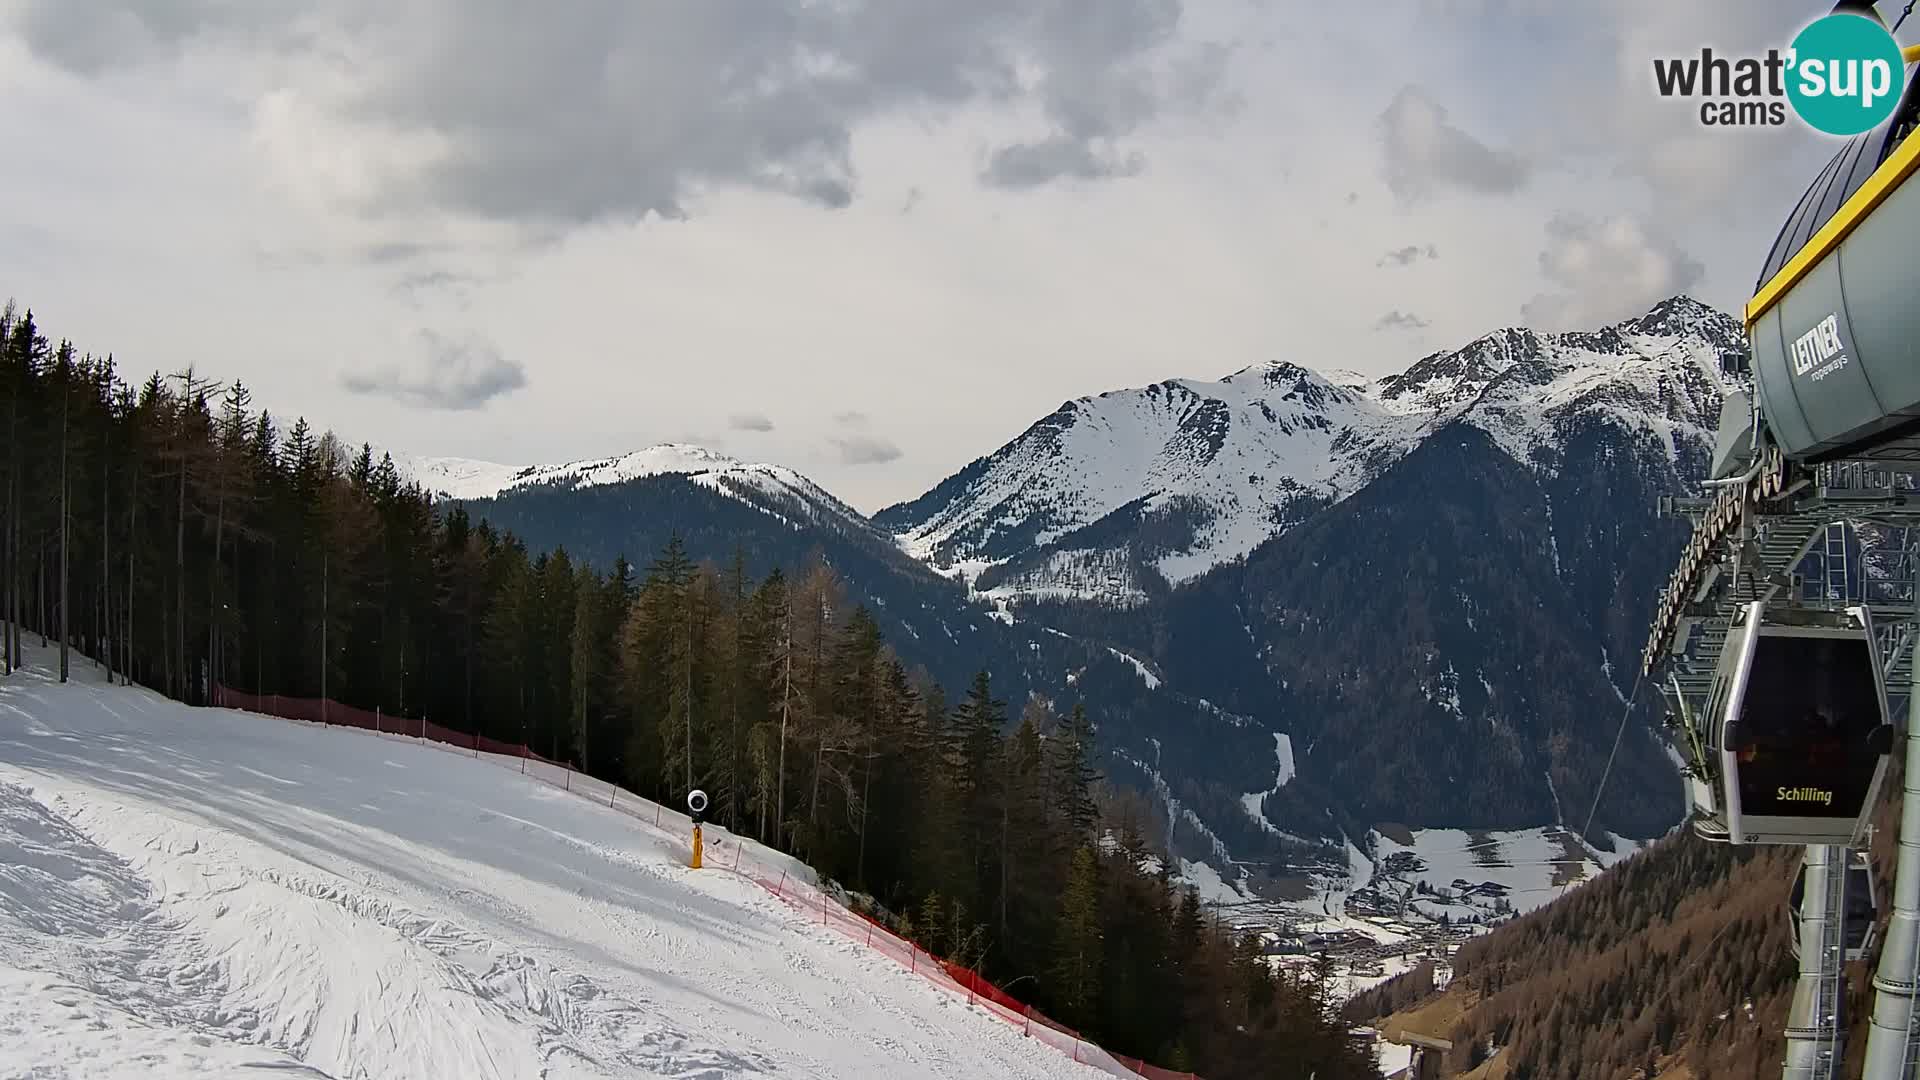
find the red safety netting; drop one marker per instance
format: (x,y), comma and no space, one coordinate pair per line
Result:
(779,874)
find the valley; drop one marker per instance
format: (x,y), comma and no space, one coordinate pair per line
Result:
(1296,605)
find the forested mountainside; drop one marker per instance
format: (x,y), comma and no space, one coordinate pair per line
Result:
(1676,962)
(185,539)
(1151,737)
(1431,584)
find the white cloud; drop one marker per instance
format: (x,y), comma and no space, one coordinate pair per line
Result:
(1425,151)
(1606,269)
(445,374)
(865,450)
(670,215)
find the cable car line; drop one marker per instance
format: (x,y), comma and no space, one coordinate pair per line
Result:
(1626,712)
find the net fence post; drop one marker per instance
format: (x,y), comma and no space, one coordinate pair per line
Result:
(376,720)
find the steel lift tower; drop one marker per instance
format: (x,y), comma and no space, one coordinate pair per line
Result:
(1784,642)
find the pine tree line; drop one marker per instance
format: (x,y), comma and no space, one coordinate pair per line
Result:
(183,539)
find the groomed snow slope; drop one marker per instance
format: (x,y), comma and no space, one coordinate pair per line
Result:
(202,892)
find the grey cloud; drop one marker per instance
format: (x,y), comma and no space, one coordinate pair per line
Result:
(1058,157)
(424,280)
(1607,269)
(865,450)
(609,110)
(1405,256)
(445,374)
(93,38)
(1399,320)
(1424,151)
(749,422)
(395,251)
(31,245)
(851,418)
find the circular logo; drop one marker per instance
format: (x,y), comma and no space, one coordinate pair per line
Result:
(1845,74)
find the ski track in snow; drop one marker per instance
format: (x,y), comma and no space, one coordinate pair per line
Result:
(202,892)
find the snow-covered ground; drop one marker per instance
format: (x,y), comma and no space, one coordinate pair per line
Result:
(199,892)
(1525,861)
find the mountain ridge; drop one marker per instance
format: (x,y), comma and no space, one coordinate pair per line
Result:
(1126,493)
(1148,552)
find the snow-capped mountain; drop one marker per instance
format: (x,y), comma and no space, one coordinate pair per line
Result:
(465,478)
(1416,584)
(773,488)
(1117,496)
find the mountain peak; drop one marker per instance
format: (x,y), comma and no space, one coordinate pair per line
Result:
(1173,478)
(1682,314)
(467,478)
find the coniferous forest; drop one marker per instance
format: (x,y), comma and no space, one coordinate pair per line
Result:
(181,536)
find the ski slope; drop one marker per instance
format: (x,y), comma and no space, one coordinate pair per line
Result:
(204,892)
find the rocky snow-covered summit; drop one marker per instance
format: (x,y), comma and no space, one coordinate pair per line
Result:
(1114,496)
(464,478)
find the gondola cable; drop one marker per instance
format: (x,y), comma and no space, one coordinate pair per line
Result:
(1908,10)
(1626,714)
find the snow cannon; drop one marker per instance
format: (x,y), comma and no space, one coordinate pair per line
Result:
(1798,736)
(1862,908)
(696,806)
(1833,329)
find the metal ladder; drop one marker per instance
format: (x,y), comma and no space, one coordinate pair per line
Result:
(1814,1023)
(1834,563)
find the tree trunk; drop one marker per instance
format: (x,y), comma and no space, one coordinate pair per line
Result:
(786,702)
(133,510)
(6,572)
(104,623)
(180,581)
(813,798)
(1006,804)
(65,622)
(468,619)
(213,586)
(866,790)
(323,637)
(688,685)
(10,540)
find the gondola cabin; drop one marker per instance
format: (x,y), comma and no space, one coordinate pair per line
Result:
(1798,726)
(1861,906)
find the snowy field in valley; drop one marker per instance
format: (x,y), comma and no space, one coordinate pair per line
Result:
(208,893)
(1535,865)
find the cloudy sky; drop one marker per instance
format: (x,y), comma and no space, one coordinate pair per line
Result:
(871,239)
